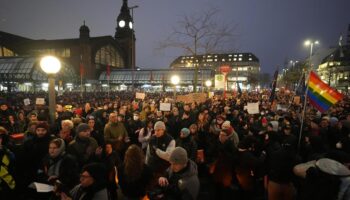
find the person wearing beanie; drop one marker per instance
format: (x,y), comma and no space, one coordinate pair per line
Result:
(159,148)
(93,185)
(35,149)
(324,179)
(83,147)
(231,133)
(187,142)
(181,180)
(116,133)
(249,167)
(57,165)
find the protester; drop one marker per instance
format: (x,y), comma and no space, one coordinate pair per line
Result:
(181,180)
(159,149)
(83,147)
(92,184)
(134,175)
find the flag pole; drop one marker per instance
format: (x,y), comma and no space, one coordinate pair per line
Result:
(303,113)
(296,89)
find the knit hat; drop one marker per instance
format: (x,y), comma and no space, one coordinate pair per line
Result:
(43,125)
(274,125)
(185,132)
(178,156)
(226,125)
(333,121)
(82,127)
(159,125)
(264,120)
(97,171)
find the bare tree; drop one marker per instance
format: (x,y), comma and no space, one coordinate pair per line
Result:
(200,34)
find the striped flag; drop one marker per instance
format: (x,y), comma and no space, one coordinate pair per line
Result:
(321,95)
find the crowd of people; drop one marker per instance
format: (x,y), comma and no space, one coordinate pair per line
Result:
(114,146)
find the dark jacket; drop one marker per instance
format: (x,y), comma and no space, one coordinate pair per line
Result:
(183,185)
(189,144)
(135,188)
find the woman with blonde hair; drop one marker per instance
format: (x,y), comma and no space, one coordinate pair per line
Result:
(67,132)
(134,175)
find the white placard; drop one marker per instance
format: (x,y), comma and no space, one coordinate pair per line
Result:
(164,106)
(26,101)
(253,108)
(140,95)
(42,187)
(40,101)
(219,81)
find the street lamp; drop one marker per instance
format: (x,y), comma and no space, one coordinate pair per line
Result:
(51,65)
(175,79)
(208,83)
(311,44)
(131,26)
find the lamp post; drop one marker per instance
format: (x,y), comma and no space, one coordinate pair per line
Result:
(175,79)
(311,44)
(132,46)
(51,65)
(208,83)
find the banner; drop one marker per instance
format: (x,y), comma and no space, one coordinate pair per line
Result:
(219,81)
(192,97)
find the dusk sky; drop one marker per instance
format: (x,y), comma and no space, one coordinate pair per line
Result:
(273,30)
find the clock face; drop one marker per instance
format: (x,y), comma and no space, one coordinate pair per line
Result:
(130,25)
(121,23)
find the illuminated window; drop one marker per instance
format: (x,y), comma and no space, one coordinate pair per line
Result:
(216,60)
(230,59)
(235,55)
(230,55)
(239,59)
(250,59)
(108,55)
(6,52)
(240,55)
(235,59)
(223,60)
(216,56)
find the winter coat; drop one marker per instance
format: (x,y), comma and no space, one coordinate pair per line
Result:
(183,185)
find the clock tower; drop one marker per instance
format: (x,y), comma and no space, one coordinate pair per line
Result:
(125,35)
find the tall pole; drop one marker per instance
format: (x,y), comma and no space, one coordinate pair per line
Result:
(132,48)
(52,98)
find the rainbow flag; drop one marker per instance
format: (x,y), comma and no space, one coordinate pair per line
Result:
(321,95)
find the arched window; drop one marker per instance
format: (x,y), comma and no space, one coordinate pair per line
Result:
(108,55)
(5,52)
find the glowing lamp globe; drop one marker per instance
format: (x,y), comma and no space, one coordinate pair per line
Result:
(50,64)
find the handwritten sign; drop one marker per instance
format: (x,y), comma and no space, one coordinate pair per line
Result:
(140,95)
(40,101)
(164,106)
(26,102)
(253,108)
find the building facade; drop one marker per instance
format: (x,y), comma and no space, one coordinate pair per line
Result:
(335,67)
(87,56)
(245,67)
